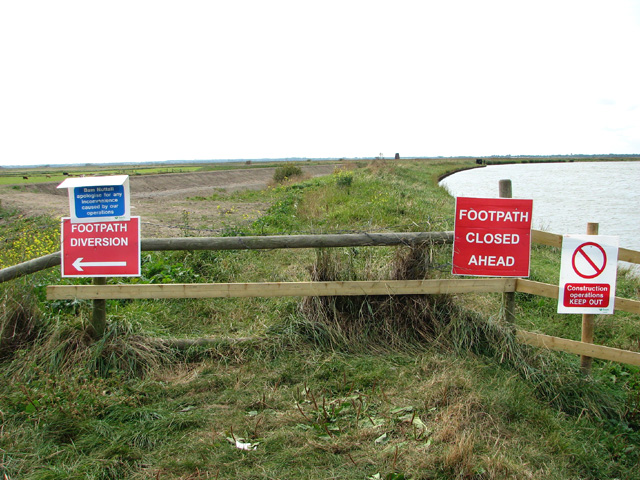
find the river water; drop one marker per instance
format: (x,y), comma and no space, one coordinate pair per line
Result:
(566,196)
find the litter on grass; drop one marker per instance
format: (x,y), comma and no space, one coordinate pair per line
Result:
(242,445)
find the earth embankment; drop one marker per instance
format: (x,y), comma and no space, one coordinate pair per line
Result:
(165,202)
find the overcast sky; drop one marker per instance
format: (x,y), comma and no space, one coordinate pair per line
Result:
(133,81)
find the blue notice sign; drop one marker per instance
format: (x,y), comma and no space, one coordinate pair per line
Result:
(99,201)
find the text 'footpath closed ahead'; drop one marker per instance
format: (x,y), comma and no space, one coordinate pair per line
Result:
(492,237)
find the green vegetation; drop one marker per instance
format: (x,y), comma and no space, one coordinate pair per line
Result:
(25,238)
(370,388)
(286,172)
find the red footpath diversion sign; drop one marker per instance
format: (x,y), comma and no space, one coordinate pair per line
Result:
(492,237)
(101,249)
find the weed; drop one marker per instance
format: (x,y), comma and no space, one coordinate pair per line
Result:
(20,321)
(286,171)
(344,178)
(186,229)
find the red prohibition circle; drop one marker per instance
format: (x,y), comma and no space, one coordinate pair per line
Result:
(597,269)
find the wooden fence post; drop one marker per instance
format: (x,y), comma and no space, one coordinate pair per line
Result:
(99,314)
(588,319)
(508,298)
(504,187)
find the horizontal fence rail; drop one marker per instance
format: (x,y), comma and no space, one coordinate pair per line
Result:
(552,291)
(579,348)
(281,289)
(297,241)
(291,241)
(29,267)
(390,287)
(315,289)
(267,242)
(555,240)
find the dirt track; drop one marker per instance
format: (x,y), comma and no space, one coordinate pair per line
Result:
(162,200)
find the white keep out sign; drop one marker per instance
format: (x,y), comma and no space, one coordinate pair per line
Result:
(588,272)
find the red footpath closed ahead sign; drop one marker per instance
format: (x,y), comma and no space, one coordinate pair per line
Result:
(492,237)
(101,249)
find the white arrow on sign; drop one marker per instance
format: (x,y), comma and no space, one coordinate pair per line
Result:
(78,264)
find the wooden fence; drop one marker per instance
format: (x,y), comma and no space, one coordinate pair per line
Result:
(100,292)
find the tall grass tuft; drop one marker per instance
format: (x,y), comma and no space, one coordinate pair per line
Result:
(120,351)
(556,378)
(378,322)
(60,345)
(406,322)
(20,321)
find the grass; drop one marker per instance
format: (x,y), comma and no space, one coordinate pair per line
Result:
(420,388)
